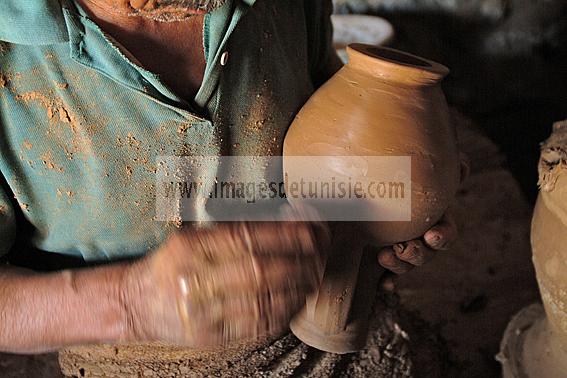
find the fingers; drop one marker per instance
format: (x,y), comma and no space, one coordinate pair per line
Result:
(232,241)
(268,305)
(387,258)
(233,281)
(253,275)
(403,257)
(248,297)
(248,317)
(286,238)
(244,315)
(441,236)
(414,252)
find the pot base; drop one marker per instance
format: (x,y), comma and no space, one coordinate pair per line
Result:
(528,349)
(347,341)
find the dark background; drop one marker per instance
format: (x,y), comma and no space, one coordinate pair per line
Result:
(508,61)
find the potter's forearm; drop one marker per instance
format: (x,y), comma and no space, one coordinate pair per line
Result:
(44,312)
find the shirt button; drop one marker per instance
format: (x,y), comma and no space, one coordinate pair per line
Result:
(224,58)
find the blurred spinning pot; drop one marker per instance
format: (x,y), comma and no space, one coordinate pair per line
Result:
(351,28)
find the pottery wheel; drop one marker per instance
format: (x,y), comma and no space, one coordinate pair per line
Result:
(389,353)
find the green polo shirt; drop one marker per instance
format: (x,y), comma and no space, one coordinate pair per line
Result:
(81,125)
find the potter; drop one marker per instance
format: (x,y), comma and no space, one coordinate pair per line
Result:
(92,92)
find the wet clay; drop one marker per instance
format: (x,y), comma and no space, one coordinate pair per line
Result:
(546,347)
(382,103)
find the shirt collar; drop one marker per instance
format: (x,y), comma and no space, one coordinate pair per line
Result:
(91,47)
(57,21)
(33,22)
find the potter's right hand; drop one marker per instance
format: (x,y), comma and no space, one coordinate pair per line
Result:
(235,281)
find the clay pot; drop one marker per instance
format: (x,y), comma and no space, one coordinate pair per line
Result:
(545,351)
(382,103)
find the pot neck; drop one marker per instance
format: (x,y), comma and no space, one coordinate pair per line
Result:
(395,66)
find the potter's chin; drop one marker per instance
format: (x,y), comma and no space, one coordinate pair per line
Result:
(173,10)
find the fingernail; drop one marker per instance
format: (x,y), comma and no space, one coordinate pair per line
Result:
(399,248)
(433,240)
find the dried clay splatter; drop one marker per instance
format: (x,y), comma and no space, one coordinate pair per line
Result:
(47,160)
(3,80)
(27,145)
(61,85)
(56,111)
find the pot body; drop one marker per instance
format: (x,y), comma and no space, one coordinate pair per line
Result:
(383,103)
(549,232)
(373,107)
(545,350)
(549,247)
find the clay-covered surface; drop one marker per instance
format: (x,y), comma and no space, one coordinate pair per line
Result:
(400,345)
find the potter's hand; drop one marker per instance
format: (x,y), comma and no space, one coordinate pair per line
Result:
(403,257)
(236,281)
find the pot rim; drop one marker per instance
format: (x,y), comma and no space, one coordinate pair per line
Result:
(395,65)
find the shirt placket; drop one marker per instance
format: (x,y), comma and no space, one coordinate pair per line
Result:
(91,48)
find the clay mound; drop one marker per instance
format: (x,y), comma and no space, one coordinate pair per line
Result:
(399,345)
